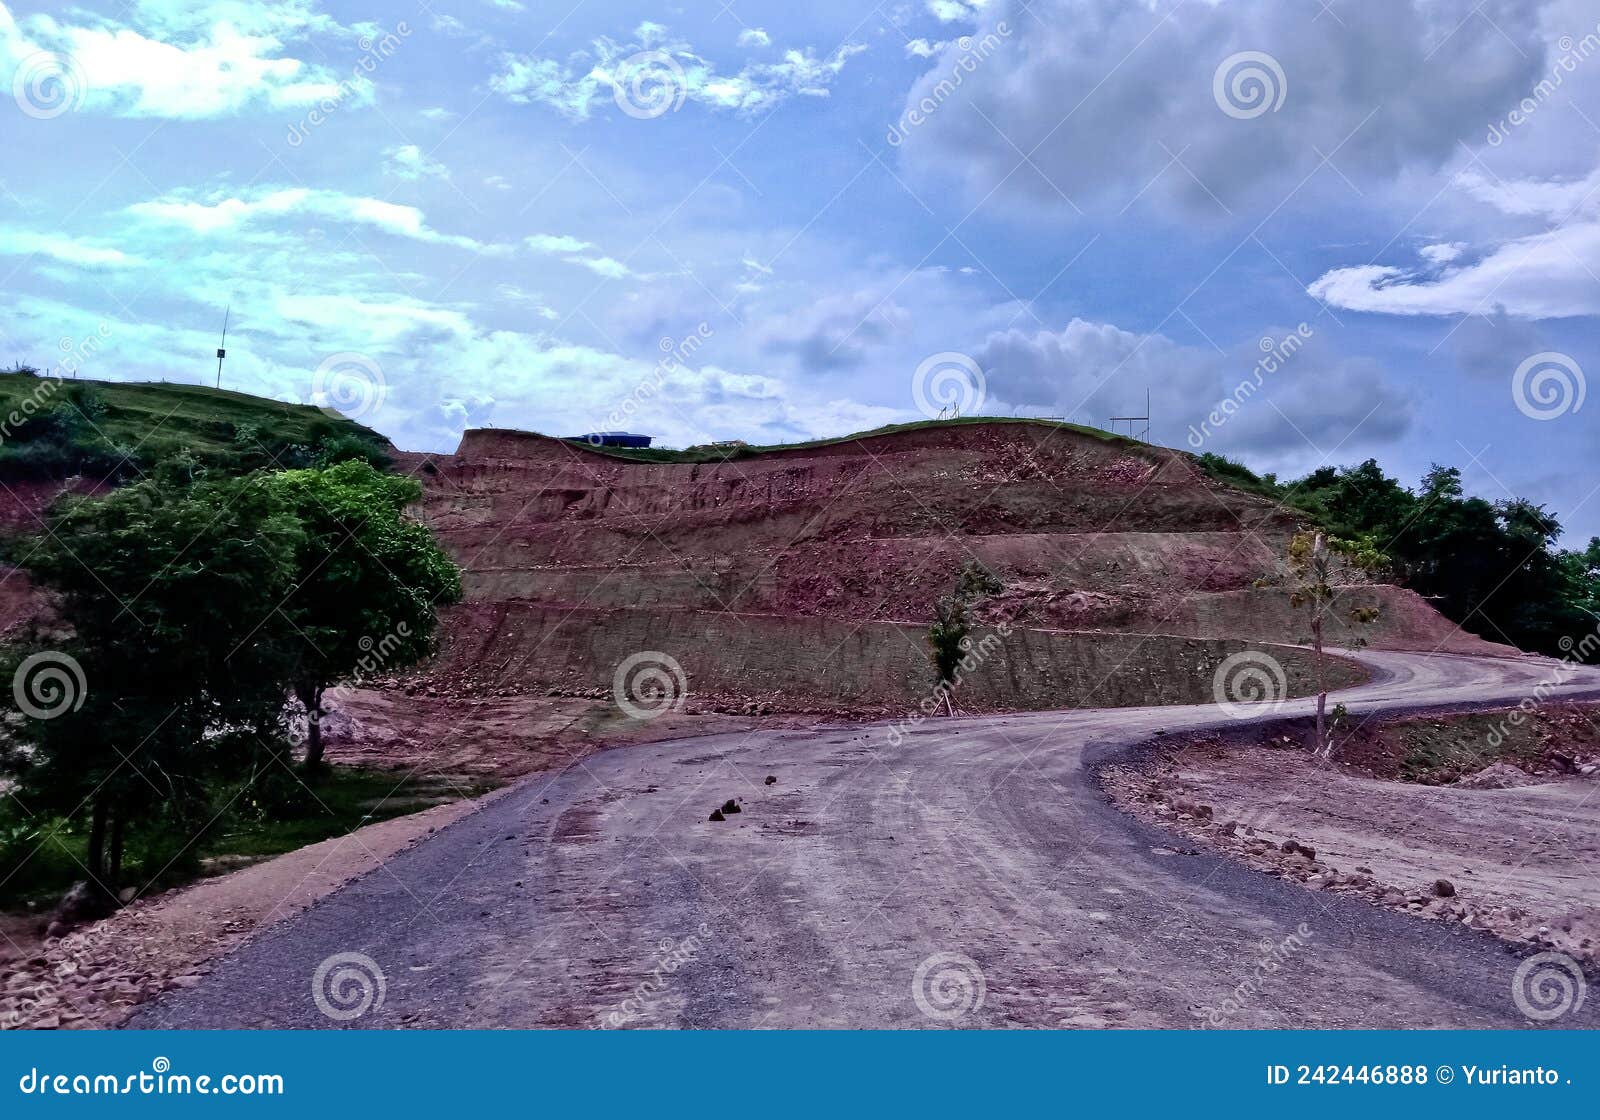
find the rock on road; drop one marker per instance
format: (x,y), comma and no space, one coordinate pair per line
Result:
(876,884)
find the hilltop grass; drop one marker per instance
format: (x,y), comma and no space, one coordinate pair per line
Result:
(711,453)
(57,428)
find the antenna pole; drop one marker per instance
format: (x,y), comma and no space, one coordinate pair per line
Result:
(222,351)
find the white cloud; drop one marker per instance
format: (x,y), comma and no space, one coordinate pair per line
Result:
(655,70)
(220,213)
(953,11)
(609,267)
(65,250)
(408,161)
(554,243)
(1442,253)
(1550,274)
(197,61)
(754,37)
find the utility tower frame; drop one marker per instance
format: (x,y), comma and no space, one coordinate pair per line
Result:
(1142,435)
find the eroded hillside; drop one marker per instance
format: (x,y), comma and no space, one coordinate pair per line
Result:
(811,572)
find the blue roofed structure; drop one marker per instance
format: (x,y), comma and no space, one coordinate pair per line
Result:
(613,439)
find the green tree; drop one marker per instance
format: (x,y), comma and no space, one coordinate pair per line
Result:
(369,579)
(173,671)
(1311,570)
(949,637)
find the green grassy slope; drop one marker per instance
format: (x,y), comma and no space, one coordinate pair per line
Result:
(56,428)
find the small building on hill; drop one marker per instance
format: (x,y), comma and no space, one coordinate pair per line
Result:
(613,439)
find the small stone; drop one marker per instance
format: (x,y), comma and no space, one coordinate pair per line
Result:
(716,815)
(731,806)
(1444,888)
(772,780)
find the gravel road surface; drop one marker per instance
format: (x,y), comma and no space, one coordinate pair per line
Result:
(968,873)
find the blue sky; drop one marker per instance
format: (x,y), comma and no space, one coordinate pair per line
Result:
(509,212)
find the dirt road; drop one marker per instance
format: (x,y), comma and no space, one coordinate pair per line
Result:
(966,873)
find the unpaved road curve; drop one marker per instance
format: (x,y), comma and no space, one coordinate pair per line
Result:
(983,837)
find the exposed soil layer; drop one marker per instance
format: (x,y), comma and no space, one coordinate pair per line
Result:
(1480,819)
(813,572)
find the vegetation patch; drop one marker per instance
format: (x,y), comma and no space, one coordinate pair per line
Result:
(55,428)
(41,857)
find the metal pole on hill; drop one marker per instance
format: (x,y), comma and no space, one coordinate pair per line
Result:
(222,351)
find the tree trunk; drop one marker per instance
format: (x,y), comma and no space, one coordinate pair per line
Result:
(311,700)
(114,856)
(1323,746)
(97,845)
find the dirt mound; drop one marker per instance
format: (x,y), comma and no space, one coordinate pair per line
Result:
(835,554)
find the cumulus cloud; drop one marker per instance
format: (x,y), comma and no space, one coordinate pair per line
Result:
(1313,401)
(179,61)
(1111,101)
(754,37)
(655,70)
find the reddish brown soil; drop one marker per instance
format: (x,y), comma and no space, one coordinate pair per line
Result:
(1503,813)
(782,576)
